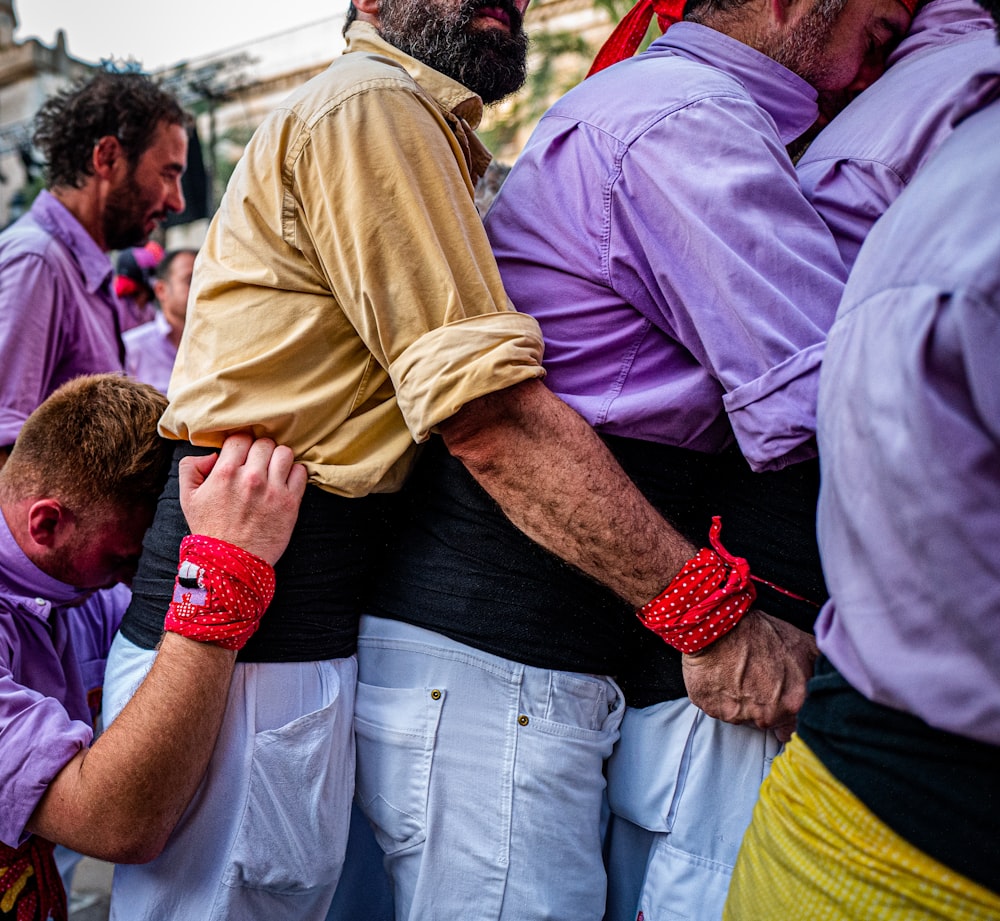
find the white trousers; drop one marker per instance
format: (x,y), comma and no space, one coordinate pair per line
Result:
(681,788)
(482,777)
(265,835)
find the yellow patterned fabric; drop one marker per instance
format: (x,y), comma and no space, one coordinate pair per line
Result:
(814,851)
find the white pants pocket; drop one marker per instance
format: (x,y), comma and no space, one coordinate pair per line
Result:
(395,729)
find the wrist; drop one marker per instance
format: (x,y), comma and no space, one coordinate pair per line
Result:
(220,593)
(704,601)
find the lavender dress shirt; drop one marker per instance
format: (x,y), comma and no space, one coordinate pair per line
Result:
(909,412)
(58,313)
(51,669)
(655,227)
(867,155)
(149,353)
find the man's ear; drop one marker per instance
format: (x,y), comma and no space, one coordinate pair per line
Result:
(368,10)
(781,9)
(49,522)
(108,154)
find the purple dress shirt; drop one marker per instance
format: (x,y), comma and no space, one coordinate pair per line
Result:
(131,315)
(909,412)
(655,227)
(52,657)
(58,313)
(866,156)
(149,353)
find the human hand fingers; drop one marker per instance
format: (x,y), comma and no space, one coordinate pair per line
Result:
(756,674)
(250,497)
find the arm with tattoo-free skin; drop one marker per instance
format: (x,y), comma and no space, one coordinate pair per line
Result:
(120,799)
(557,482)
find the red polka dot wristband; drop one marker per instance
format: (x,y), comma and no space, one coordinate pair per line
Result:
(705,600)
(220,594)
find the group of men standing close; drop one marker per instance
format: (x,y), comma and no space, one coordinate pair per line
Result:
(349,304)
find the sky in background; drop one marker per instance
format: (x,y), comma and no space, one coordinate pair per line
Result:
(158,35)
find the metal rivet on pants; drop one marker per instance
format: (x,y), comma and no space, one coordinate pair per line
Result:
(435,694)
(523,720)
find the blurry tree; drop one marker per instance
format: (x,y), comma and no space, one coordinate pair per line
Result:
(558,61)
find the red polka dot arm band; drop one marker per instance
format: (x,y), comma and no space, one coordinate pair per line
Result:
(220,594)
(705,600)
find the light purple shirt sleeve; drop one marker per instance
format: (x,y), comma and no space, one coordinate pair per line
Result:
(737,267)
(30,309)
(909,513)
(37,733)
(58,316)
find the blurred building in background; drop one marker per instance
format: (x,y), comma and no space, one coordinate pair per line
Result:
(231,90)
(29,72)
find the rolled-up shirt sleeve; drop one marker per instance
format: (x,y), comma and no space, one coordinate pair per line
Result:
(39,739)
(452,365)
(414,271)
(346,299)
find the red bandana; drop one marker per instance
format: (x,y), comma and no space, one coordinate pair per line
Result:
(625,40)
(705,600)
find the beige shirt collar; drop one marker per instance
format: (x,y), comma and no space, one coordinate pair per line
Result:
(462,108)
(449,94)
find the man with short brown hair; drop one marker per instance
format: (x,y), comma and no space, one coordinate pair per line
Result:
(76,496)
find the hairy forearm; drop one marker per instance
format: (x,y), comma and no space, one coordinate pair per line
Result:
(558,483)
(120,799)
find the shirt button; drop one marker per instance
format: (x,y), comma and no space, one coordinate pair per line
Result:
(40,602)
(435,694)
(523,720)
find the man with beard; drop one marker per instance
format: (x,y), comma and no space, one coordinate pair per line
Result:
(76,496)
(655,227)
(115,147)
(346,303)
(859,163)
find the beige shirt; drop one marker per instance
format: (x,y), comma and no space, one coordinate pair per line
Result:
(346,300)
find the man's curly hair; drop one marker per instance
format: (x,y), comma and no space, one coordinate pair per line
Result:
(128,106)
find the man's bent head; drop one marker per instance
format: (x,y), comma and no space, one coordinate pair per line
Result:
(81,483)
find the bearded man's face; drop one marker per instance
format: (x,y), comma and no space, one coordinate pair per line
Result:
(479,43)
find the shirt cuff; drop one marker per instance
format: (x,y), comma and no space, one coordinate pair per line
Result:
(452,365)
(774,415)
(46,740)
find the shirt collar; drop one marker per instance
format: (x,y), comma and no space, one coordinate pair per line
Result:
(449,94)
(785,96)
(59,221)
(162,324)
(21,578)
(941,22)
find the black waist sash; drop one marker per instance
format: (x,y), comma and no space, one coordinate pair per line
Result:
(937,790)
(323,578)
(463,570)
